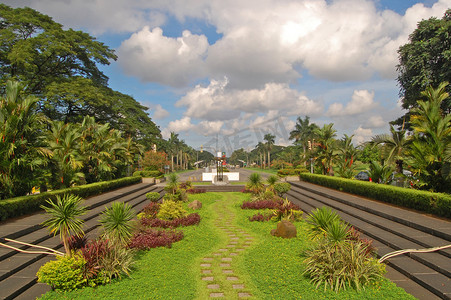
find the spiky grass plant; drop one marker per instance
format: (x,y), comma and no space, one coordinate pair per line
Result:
(319,220)
(117,222)
(255,183)
(63,217)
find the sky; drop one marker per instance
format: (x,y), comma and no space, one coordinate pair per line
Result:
(223,73)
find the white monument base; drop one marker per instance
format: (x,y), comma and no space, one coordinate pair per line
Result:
(232,176)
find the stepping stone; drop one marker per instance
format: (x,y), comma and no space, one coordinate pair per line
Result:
(223,250)
(239,249)
(227,271)
(238,286)
(224,265)
(205,265)
(232,278)
(233,254)
(244,295)
(216,295)
(209,278)
(226,259)
(206,271)
(234,242)
(213,286)
(217,254)
(230,246)
(235,238)
(208,259)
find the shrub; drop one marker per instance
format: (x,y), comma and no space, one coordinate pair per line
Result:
(354,235)
(282,188)
(319,220)
(153,196)
(179,195)
(65,273)
(341,265)
(152,238)
(291,172)
(260,217)
(171,210)
(76,242)
(261,204)
(286,210)
(117,222)
(117,261)
(196,191)
(186,185)
(255,184)
(94,253)
(150,211)
(148,173)
(189,220)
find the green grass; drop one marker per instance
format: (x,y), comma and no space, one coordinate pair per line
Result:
(270,171)
(270,269)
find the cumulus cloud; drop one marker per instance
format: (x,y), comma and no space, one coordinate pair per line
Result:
(159,112)
(153,57)
(362,135)
(361,101)
(217,102)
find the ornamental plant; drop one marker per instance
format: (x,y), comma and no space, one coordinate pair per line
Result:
(255,183)
(170,210)
(152,238)
(63,217)
(286,211)
(281,188)
(65,273)
(153,196)
(117,222)
(189,220)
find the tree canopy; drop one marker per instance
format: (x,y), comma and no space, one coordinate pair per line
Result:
(425,61)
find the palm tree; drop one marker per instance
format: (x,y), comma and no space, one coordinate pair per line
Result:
(173,144)
(303,132)
(261,152)
(431,142)
(64,218)
(326,147)
(394,146)
(21,142)
(346,157)
(117,222)
(270,139)
(380,173)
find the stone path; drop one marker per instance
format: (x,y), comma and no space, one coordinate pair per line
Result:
(217,269)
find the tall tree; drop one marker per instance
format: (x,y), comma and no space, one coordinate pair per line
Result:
(22,150)
(425,60)
(270,140)
(432,140)
(326,147)
(346,157)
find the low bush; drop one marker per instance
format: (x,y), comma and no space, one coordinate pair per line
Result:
(179,195)
(341,265)
(150,211)
(94,253)
(196,191)
(27,204)
(261,204)
(76,242)
(291,172)
(261,217)
(286,210)
(152,238)
(435,203)
(153,196)
(65,273)
(282,188)
(189,220)
(170,210)
(319,221)
(147,173)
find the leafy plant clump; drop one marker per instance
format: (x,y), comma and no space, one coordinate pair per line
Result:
(150,211)
(281,188)
(117,222)
(170,210)
(261,204)
(153,196)
(260,217)
(65,273)
(255,183)
(153,238)
(287,211)
(189,220)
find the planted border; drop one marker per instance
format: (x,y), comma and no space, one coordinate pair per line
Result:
(18,206)
(438,204)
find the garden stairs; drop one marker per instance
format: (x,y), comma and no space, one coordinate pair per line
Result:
(424,275)
(18,271)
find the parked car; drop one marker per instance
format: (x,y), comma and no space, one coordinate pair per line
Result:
(363,175)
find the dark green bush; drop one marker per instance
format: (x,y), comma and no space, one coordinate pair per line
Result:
(26,204)
(65,273)
(436,203)
(153,196)
(291,172)
(281,188)
(146,173)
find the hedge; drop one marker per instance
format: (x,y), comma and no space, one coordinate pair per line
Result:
(291,172)
(438,204)
(18,206)
(145,173)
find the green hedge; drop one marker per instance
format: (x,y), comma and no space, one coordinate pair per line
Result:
(18,206)
(291,172)
(154,174)
(436,203)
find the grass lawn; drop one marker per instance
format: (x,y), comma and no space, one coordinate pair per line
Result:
(270,171)
(271,268)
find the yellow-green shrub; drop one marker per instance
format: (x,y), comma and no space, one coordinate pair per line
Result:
(170,210)
(65,273)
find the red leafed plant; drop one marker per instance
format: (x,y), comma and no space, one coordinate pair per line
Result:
(261,204)
(260,218)
(93,252)
(354,235)
(151,210)
(196,191)
(191,219)
(152,238)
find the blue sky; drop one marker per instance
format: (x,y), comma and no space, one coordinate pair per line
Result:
(228,72)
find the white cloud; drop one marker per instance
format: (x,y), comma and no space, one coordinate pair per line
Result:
(362,135)
(361,101)
(159,112)
(153,57)
(376,122)
(217,102)
(182,125)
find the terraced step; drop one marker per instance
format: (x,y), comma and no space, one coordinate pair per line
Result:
(391,228)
